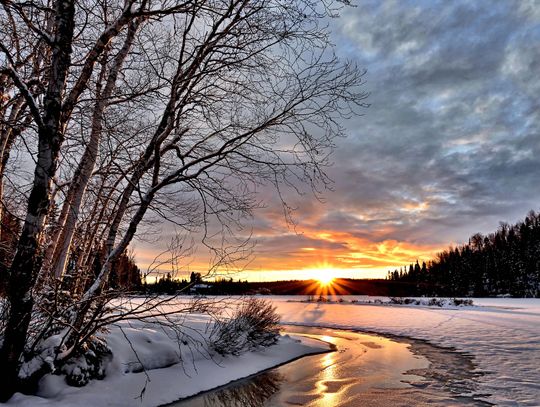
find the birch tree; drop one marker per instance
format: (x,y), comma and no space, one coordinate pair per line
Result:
(184,106)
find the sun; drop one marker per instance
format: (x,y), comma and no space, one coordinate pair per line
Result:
(324,276)
(326,280)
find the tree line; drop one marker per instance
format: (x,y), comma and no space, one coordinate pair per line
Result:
(505,262)
(166,284)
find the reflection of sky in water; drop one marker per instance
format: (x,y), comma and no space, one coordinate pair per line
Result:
(362,362)
(363,366)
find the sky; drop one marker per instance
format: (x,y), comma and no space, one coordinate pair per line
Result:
(449,146)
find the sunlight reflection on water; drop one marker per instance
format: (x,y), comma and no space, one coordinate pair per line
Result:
(366,370)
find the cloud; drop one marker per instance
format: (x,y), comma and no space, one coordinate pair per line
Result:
(449,146)
(453,121)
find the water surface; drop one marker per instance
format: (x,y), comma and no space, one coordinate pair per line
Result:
(365,370)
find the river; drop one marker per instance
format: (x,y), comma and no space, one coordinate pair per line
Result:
(364,370)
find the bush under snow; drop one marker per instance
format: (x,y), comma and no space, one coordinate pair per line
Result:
(254,324)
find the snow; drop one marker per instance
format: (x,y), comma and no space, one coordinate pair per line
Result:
(171,371)
(503,335)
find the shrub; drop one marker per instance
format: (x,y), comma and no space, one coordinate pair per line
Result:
(436,302)
(462,302)
(89,364)
(254,324)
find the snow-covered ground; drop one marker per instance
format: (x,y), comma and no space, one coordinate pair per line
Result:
(172,371)
(503,335)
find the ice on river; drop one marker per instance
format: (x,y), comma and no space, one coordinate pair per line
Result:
(502,334)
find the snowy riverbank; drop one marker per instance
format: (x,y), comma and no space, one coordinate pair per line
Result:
(172,372)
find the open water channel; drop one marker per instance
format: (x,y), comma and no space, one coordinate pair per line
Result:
(363,370)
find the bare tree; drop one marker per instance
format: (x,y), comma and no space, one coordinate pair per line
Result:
(183,106)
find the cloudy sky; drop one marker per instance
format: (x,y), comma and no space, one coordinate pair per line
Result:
(450,145)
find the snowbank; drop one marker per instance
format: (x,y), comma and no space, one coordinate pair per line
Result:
(502,334)
(171,371)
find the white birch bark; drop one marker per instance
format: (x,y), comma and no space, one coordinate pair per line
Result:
(72,204)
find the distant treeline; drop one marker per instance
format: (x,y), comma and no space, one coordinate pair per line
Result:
(342,286)
(506,262)
(166,284)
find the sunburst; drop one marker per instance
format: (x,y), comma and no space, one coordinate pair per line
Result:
(325,280)
(325,277)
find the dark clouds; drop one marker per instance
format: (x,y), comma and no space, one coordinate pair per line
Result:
(454,118)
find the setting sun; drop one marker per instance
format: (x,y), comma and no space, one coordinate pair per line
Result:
(324,276)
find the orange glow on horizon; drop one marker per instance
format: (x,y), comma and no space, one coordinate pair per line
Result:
(314,253)
(335,286)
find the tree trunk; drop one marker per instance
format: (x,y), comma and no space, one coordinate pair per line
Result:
(27,260)
(95,289)
(8,133)
(72,205)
